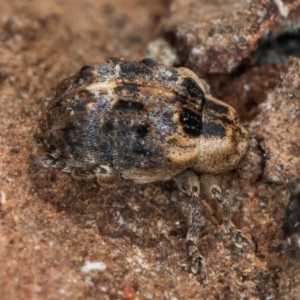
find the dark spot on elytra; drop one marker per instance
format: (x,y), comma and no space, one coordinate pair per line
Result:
(129,68)
(85,72)
(193,89)
(149,62)
(129,105)
(107,127)
(129,89)
(85,94)
(191,121)
(140,150)
(178,99)
(79,107)
(213,129)
(72,127)
(218,108)
(115,60)
(105,150)
(72,133)
(142,130)
(225,120)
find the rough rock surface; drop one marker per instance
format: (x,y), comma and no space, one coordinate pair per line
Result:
(53,226)
(202,31)
(277,127)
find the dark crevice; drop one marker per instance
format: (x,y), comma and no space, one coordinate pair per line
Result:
(290,227)
(277,45)
(263,159)
(178,44)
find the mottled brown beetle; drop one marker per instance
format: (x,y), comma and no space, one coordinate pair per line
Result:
(145,122)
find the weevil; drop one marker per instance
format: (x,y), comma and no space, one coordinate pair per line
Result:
(145,122)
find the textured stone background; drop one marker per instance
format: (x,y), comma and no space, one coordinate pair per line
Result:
(51,225)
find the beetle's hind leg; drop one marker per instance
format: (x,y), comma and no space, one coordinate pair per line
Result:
(189,183)
(211,189)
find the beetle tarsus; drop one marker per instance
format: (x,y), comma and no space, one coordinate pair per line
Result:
(237,235)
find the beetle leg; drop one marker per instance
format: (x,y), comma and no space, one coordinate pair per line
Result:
(212,190)
(50,162)
(189,183)
(78,174)
(108,177)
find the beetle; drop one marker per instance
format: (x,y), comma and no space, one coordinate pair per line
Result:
(145,122)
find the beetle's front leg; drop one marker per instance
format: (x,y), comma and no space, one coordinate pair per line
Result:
(50,162)
(108,177)
(211,189)
(189,183)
